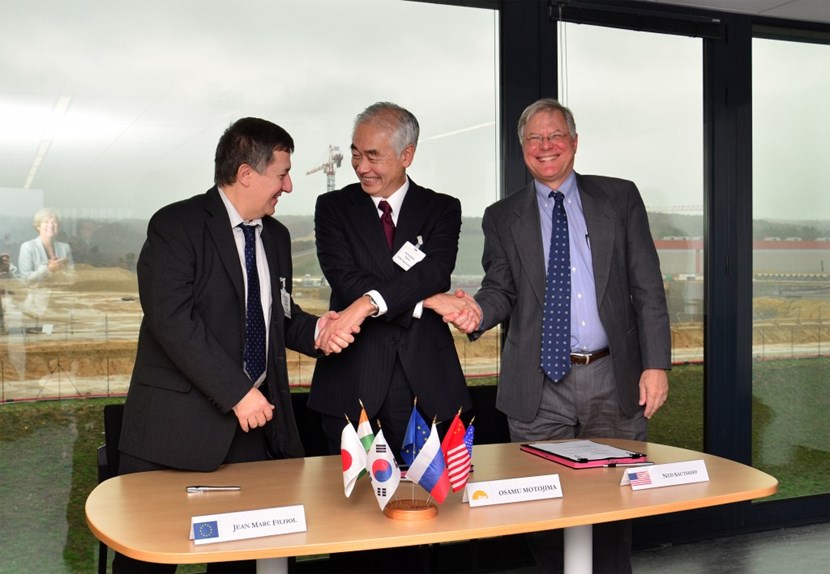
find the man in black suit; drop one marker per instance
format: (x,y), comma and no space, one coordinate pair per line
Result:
(386,245)
(198,398)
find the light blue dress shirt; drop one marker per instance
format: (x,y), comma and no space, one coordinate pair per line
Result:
(587,332)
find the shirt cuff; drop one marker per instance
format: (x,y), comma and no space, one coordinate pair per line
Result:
(382,308)
(419,310)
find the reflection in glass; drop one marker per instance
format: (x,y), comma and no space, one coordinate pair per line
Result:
(106,136)
(791,264)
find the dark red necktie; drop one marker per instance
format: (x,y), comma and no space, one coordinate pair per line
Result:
(387,223)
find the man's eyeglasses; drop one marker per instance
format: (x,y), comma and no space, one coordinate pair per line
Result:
(554,138)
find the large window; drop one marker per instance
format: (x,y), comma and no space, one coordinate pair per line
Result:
(637,100)
(109,112)
(791,264)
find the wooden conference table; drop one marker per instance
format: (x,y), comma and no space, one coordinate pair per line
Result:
(147,515)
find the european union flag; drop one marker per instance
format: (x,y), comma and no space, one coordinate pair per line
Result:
(415,436)
(203,530)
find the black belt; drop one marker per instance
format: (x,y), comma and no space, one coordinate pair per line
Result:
(588,358)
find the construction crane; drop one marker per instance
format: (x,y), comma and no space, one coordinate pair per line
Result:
(334,161)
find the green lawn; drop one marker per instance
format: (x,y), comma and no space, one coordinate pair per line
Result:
(48,454)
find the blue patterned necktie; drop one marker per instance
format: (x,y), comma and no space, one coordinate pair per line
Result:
(556,321)
(254,321)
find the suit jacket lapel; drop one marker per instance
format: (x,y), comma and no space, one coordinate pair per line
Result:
(414,211)
(600,222)
(219,227)
(272,255)
(527,234)
(366,219)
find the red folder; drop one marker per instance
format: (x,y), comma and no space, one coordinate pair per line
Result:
(633,459)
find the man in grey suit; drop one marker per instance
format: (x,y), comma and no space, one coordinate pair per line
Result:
(619,339)
(212,265)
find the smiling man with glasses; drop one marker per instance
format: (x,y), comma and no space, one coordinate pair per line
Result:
(570,261)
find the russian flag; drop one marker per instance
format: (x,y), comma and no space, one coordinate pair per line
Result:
(429,469)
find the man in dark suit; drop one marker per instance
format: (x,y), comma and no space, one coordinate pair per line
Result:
(618,332)
(208,387)
(385,246)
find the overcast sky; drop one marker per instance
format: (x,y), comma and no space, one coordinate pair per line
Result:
(143,91)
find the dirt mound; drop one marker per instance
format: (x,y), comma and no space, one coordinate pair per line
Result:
(92,279)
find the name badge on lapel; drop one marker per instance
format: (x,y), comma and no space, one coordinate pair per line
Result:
(285,298)
(408,255)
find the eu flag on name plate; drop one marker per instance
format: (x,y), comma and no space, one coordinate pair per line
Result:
(204,530)
(429,469)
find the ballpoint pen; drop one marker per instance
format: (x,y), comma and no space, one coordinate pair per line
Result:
(197,488)
(621,464)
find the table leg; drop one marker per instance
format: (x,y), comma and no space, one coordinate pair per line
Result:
(579,549)
(272,566)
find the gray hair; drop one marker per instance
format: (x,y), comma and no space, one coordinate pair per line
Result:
(545,105)
(43,214)
(392,117)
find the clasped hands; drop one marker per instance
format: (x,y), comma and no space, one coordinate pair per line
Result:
(336,331)
(56,264)
(459,309)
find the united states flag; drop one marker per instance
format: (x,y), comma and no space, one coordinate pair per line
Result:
(456,454)
(639,478)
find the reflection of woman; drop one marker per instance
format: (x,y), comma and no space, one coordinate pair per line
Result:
(42,258)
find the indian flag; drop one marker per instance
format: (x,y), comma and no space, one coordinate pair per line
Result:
(364,433)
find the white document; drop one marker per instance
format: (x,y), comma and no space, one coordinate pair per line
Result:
(583,450)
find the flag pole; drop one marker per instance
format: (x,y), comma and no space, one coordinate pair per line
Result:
(414,454)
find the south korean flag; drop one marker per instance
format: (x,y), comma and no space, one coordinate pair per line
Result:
(383,468)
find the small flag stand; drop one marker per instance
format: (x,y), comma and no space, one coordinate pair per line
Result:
(412,510)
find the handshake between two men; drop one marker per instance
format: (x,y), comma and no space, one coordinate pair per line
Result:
(336,331)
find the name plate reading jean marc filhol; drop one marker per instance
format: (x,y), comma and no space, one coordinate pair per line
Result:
(509,490)
(211,528)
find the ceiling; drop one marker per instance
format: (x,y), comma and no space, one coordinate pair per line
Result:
(808,10)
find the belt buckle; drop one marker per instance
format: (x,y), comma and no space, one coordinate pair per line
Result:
(581,358)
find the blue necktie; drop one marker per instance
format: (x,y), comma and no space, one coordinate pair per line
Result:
(556,321)
(254,321)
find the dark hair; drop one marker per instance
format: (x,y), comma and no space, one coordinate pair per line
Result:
(251,141)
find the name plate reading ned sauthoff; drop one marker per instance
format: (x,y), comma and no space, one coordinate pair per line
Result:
(211,528)
(513,490)
(665,475)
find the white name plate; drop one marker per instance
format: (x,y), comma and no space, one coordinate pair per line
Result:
(655,476)
(211,528)
(513,490)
